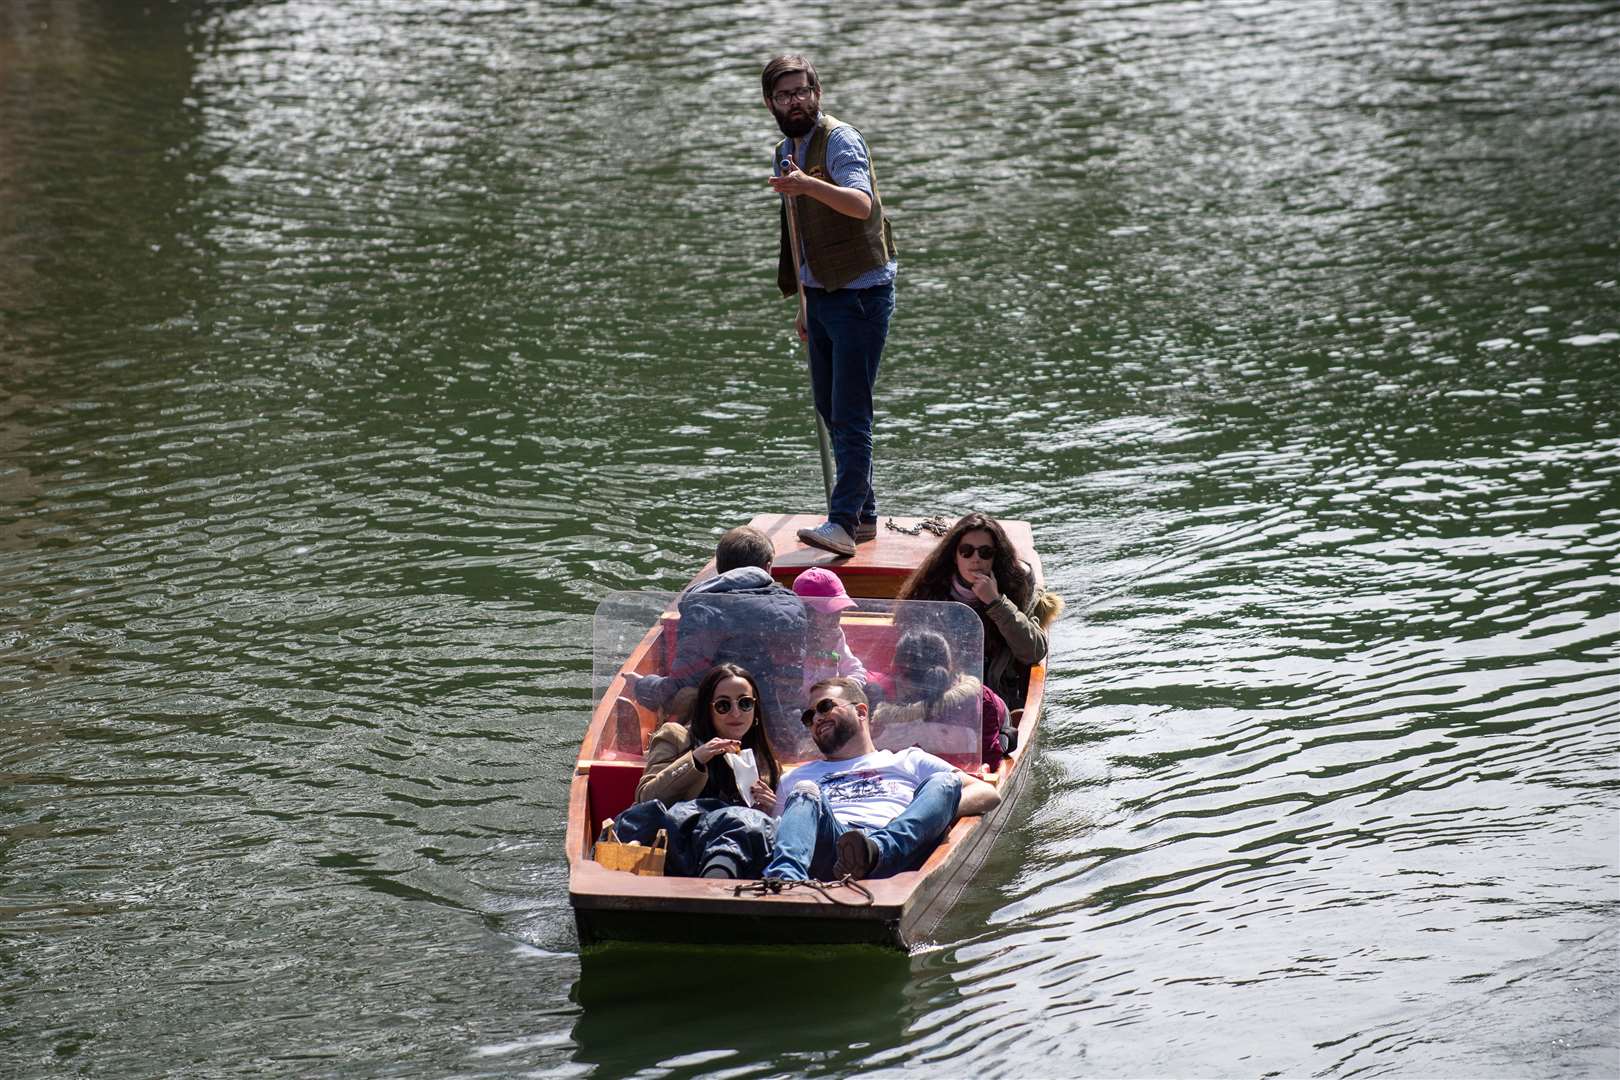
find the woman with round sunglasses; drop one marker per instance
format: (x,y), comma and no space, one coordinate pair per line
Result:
(688,762)
(974,564)
(689,791)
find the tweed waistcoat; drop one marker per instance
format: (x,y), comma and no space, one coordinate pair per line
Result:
(838,248)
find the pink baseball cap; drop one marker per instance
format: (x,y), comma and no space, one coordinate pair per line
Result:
(821,589)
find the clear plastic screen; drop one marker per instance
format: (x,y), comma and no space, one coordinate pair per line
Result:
(919,663)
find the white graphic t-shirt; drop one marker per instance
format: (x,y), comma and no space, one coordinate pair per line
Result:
(868,792)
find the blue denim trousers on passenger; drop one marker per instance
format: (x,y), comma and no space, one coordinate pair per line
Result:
(847,328)
(702,833)
(808,830)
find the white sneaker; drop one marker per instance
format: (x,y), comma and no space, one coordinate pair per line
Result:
(830,536)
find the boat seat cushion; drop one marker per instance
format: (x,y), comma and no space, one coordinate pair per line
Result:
(612,789)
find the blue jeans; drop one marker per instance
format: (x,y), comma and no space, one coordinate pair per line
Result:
(808,830)
(847,329)
(702,833)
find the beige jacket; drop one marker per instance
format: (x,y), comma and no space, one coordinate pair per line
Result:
(672,774)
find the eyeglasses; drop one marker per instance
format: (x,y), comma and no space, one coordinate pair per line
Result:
(822,707)
(723,705)
(986,551)
(784,98)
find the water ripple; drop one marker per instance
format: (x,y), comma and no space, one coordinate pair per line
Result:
(349,356)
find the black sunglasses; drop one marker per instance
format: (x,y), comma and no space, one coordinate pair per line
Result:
(824,706)
(986,551)
(723,705)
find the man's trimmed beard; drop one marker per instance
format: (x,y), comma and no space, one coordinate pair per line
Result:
(844,728)
(798,126)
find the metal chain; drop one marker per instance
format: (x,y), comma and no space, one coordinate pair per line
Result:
(934,524)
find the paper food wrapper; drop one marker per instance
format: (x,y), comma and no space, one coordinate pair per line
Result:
(746,772)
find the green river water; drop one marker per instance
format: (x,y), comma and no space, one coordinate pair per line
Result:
(352,350)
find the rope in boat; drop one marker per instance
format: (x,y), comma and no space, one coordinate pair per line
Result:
(777,886)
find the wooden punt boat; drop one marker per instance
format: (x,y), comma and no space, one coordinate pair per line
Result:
(612,905)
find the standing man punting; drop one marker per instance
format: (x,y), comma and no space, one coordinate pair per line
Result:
(847,267)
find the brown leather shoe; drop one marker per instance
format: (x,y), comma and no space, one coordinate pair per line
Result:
(857,854)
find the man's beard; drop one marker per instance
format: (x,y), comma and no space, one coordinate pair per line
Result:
(795,124)
(844,728)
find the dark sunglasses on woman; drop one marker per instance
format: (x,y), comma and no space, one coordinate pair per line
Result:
(723,705)
(986,551)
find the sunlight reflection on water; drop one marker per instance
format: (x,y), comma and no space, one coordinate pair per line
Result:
(352,355)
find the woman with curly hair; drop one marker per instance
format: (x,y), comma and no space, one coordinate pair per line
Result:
(974,564)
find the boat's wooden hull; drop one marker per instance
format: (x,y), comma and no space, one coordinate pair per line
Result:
(610,905)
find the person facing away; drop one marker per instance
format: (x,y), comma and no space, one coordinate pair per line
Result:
(863,812)
(847,267)
(716,826)
(826,650)
(939,707)
(974,564)
(740,616)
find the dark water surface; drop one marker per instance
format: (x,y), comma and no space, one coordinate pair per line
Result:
(351,351)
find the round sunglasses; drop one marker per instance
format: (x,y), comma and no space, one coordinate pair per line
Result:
(722,705)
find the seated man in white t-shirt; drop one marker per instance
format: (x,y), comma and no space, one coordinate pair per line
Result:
(864,812)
